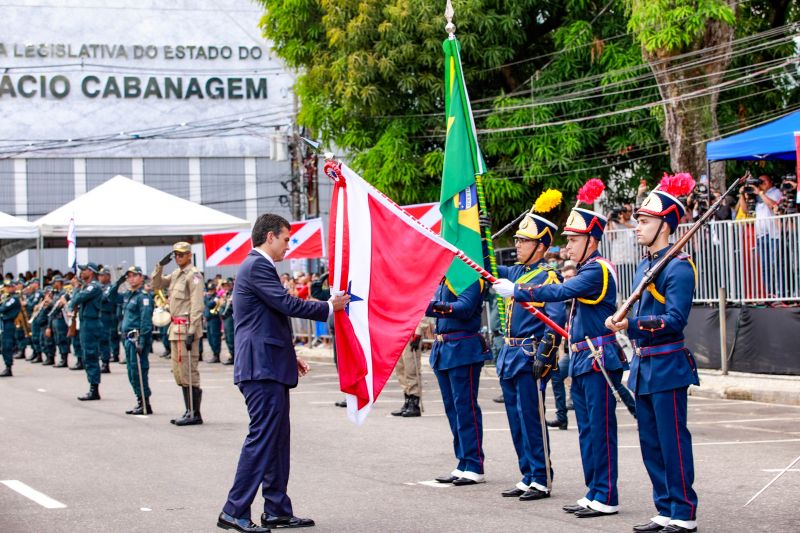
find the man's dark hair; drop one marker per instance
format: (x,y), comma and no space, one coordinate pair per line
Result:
(266,223)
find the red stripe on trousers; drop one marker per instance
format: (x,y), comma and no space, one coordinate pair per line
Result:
(475,418)
(680,454)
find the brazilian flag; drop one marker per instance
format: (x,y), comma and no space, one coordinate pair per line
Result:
(462,162)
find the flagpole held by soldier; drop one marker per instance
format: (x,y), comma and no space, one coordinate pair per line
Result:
(185,288)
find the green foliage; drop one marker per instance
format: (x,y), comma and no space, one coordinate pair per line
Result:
(675,25)
(371,82)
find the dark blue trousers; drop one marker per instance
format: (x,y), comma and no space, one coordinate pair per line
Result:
(214,334)
(597,434)
(667,452)
(459,388)
(522,408)
(265,454)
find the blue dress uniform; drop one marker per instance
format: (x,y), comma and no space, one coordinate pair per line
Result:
(213,322)
(527,338)
(36,331)
(108,322)
(457,358)
(594,291)
(58,325)
(87,301)
(137,330)
(662,370)
(8,313)
(42,322)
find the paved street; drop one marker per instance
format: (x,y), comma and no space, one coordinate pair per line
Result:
(114,472)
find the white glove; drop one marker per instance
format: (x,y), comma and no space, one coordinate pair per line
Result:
(504,288)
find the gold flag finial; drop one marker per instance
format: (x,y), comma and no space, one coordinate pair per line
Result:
(450,28)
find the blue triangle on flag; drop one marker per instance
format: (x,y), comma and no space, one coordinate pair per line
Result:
(353,298)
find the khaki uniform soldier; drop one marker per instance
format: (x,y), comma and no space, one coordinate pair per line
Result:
(186,289)
(409,373)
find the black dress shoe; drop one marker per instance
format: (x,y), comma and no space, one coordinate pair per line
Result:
(226,521)
(534,494)
(285,521)
(499,399)
(62,363)
(77,366)
(449,478)
(512,493)
(647,528)
(591,513)
(228,361)
(463,481)
(675,528)
(341,403)
(572,509)
(6,373)
(104,368)
(558,424)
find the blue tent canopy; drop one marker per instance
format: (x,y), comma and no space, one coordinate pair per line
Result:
(773,140)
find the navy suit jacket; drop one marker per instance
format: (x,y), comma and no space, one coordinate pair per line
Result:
(262,333)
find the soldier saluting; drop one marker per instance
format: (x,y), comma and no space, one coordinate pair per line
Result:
(185,286)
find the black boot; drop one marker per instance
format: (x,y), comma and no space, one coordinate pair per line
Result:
(19,354)
(32,357)
(114,358)
(194,416)
(93,394)
(6,373)
(147,409)
(62,362)
(413,407)
(228,361)
(37,358)
(78,365)
(48,360)
(136,410)
(214,358)
(402,410)
(185,391)
(104,369)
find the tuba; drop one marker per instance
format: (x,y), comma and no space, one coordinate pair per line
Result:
(161,315)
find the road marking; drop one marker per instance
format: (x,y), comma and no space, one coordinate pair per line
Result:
(41,390)
(484,413)
(751,428)
(779,470)
(33,494)
(732,442)
(145,509)
(714,422)
(435,484)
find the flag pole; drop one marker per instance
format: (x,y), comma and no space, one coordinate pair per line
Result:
(332,169)
(450,28)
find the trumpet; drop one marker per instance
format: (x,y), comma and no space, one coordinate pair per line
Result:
(219,300)
(161,314)
(22,318)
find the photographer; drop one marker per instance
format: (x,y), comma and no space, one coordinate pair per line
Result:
(625,252)
(760,196)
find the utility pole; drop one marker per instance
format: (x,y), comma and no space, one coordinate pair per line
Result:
(295,147)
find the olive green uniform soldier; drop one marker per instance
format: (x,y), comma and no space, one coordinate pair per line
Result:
(186,289)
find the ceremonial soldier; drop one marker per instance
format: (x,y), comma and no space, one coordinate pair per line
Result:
(185,286)
(663,367)
(457,358)
(137,330)
(9,309)
(86,302)
(595,354)
(213,304)
(73,329)
(108,322)
(227,318)
(22,339)
(529,352)
(32,304)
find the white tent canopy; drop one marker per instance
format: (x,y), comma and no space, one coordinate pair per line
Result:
(16,235)
(123,212)
(12,228)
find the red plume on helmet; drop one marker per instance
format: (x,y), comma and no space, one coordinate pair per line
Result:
(591,191)
(680,184)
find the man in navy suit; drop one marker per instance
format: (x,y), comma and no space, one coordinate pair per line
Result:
(265,368)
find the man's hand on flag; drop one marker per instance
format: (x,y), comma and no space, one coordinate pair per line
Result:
(340,301)
(504,288)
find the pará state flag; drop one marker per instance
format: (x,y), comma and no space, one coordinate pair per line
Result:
(72,246)
(462,162)
(428,214)
(232,247)
(390,265)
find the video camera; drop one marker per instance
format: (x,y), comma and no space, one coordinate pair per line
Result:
(615,214)
(788,203)
(699,199)
(750,191)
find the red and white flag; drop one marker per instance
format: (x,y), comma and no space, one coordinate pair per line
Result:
(428,214)
(232,248)
(306,240)
(390,265)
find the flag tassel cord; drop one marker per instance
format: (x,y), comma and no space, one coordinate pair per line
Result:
(332,170)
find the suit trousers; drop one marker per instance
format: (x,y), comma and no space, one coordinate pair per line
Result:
(667,452)
(264,459)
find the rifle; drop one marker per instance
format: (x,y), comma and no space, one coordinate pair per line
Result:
(655,270)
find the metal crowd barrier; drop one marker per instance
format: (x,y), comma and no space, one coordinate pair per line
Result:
(754,261)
